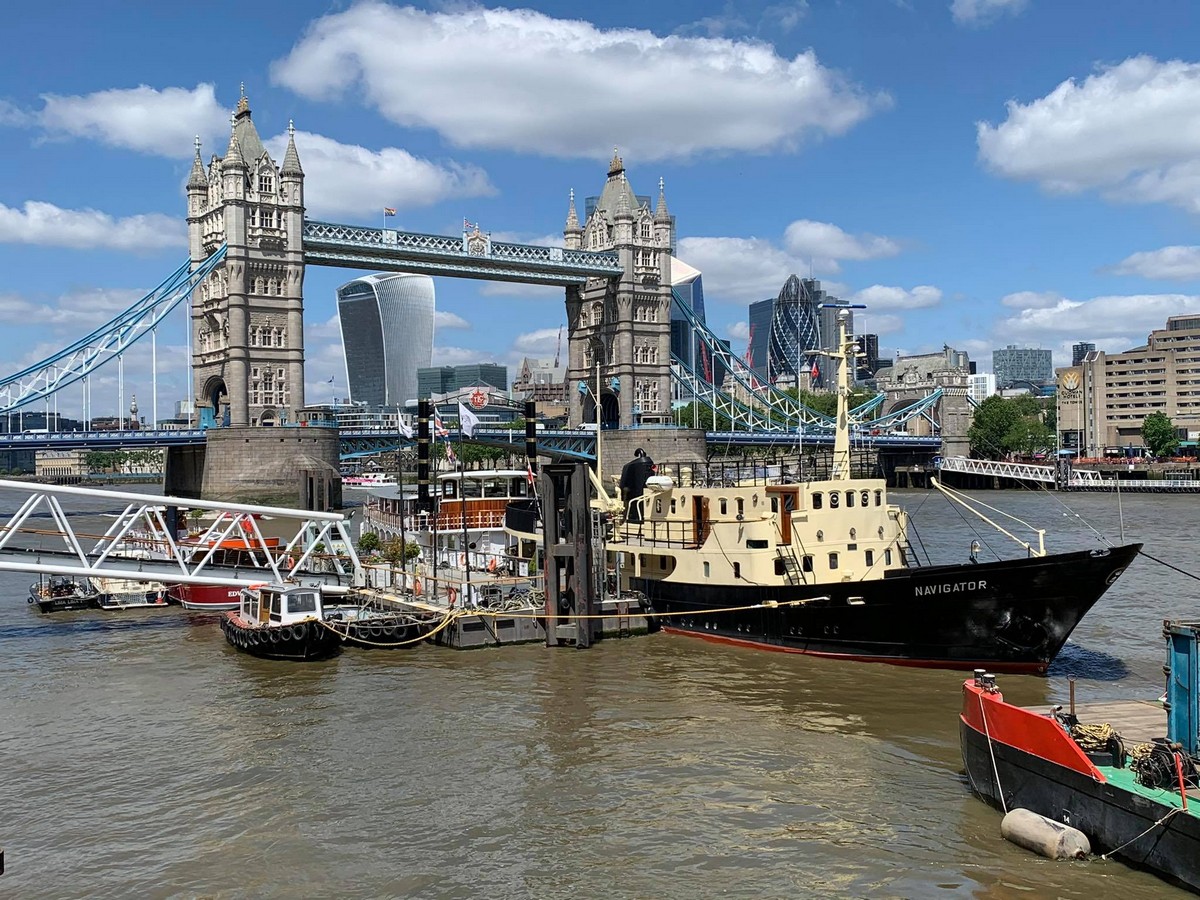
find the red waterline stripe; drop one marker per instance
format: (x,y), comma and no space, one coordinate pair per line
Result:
(1012,668)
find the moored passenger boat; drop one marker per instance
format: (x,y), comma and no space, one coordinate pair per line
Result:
(281,621)
(60,593)
(120,593)
(826,568)
(231,551)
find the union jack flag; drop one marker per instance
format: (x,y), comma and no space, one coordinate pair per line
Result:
(439,429)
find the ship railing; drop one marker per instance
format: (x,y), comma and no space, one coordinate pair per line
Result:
(662,533)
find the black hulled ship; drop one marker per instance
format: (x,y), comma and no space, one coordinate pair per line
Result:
(825,567)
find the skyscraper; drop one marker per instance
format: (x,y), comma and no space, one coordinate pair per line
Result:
(785,329)
(761,314)
(1080,350)
(1016,366)
(386,323)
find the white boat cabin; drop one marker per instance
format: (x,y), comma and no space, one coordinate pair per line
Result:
(280,604)
(807,533)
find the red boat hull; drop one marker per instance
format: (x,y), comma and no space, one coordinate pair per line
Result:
(206,597)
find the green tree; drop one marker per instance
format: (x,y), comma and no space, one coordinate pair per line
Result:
(369,542)
(1159,434)
(990,427)
(394,551)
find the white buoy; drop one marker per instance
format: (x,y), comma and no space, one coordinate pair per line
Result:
(1043,836)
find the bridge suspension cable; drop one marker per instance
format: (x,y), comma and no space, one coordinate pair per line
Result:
(759,405)
(109,341)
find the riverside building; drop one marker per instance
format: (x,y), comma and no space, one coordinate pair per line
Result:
(1103,401)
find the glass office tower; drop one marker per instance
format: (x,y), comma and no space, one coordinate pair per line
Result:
(386,322)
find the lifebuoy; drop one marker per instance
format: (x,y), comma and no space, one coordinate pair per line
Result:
(417,586)
(451,595)
(492,564)
(291,563)
(462,559)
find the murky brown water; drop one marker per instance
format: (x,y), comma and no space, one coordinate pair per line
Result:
(142,756)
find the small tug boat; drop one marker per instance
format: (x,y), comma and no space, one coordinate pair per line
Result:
(60,593)
(281,621)
(825,567)
(1122,773)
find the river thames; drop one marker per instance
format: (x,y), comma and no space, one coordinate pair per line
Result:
(142,756)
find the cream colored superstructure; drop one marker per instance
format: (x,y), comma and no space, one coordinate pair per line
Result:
(763,534)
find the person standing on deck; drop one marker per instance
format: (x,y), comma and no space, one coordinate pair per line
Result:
(633,482)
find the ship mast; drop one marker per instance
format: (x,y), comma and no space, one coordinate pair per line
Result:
(845,352)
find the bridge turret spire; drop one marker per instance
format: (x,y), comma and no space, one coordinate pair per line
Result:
(572,215)
(198,179)
(616,166)
(624,209)
(233,155)
(291,159)
(660,211)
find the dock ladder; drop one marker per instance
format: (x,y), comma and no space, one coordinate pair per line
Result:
(791,565)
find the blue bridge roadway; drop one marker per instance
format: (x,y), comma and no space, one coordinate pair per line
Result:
(360,442)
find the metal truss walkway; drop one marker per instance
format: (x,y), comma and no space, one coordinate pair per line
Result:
(474,255)
(107,342)
(139,546)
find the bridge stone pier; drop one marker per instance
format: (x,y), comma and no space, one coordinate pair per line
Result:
(248,331)
(905,384)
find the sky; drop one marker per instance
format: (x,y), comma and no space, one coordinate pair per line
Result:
(979,173)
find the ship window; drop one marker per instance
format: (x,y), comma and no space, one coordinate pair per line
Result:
(641,560)
(275,607)
(780,568)
(816,500)
(662,562)
(706,568)
(724,505)
(774,504)
(658,507)
(448,488)
(754,499)
(756,544)
(833,500)
(866,498)
(741,507)
(870,557)
(737,570)
(471,487)
(672,506)
(849,499)
(302,603)
(833,560)
(887,556)
(495,487)
(878,498)
(806,564)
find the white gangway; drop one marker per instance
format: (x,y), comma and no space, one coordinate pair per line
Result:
(139,546)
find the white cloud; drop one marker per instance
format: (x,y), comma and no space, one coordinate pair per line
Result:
(825,243)
(540,343)
(1176,263)
(462,356)
(747,269)
(738,331)
(523,81)
(740,269)
(445,319)
(1127,131)
(1032,300)
(983,12)
(346,179)
(1114,323)
(780,18)
(163,122)
(14,116)
(879,296)
(877,324)
(315,331)
(49,225)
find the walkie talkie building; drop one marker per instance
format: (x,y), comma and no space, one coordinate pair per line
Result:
(386,322)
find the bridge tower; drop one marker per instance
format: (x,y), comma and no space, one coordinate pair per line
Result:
(624,324)
(248,315)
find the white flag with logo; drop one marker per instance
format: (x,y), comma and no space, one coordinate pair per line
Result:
(467,421)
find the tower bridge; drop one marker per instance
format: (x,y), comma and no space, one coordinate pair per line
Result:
(250,243)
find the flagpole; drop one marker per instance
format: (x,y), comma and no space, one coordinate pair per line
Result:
(462,498)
